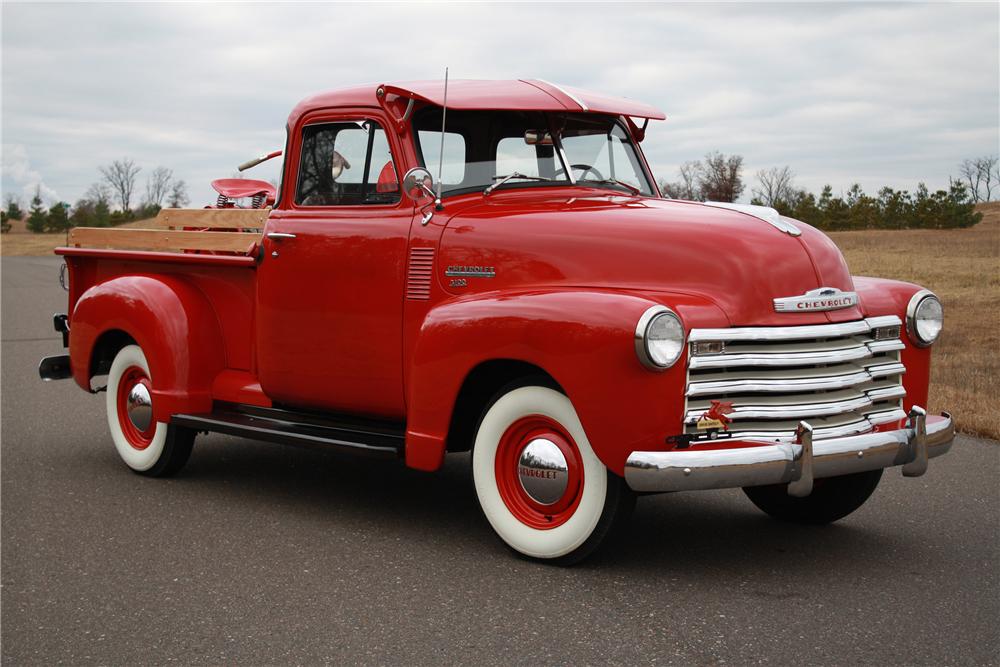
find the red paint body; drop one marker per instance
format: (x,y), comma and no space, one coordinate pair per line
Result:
(327,323)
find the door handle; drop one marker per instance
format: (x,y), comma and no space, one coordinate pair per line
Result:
(277,236)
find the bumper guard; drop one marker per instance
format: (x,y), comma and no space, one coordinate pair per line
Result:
(796,464)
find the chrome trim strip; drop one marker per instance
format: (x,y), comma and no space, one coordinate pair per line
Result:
(860,351)
(886,393)
(794,333)
(790,385)
(808,357)
(789,411)
(891,345)
(566,93)
(862,425)
(886,417)
(770,463)
(767,214)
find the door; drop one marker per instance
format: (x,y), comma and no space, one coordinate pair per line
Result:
(330,283)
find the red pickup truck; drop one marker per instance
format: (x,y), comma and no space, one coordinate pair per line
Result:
(490,266)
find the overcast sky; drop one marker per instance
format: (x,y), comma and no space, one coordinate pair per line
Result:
(881,94)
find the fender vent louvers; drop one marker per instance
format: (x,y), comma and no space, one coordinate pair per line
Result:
(420,273)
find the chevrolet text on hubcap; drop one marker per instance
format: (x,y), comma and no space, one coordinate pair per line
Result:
(543,471)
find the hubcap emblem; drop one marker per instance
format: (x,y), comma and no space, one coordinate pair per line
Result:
(543,471)
(140,407)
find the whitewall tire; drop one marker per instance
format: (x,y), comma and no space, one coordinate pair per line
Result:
(539,483)
(146,446)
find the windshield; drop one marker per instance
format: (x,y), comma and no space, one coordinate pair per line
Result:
(522,149)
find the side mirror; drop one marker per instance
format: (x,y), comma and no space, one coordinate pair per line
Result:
(418,183)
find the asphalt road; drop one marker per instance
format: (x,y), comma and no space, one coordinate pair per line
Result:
(259,554)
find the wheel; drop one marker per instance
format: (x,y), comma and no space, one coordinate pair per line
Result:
(149,448)
(832,498)
(539,483)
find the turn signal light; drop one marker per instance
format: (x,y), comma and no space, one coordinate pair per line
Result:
(707,347)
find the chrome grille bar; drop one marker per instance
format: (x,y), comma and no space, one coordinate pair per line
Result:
(863,350)
(795,333)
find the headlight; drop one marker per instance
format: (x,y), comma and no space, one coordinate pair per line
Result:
(659,338)
(924,318)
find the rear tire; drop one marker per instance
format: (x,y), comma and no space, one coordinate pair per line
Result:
(154,449)
(832,498)
(576,508)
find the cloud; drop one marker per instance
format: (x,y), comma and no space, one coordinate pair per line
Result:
(885,94)
(17,169)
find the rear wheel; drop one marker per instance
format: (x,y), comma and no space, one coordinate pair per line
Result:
(832,498)
(146,446)
(539,483)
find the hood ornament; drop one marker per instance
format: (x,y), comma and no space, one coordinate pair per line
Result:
(765,213)
(824,298)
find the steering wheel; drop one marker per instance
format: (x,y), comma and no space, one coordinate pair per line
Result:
(584,168)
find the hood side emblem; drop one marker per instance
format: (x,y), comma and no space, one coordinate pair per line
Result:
(824,298)
(768,215)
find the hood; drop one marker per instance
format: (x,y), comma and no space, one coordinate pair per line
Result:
(531,239)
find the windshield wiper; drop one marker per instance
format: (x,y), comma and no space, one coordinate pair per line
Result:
(514,174)
(613,181)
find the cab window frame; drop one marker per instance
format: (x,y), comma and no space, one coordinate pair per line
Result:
(292,176)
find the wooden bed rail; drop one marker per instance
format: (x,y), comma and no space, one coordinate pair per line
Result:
(181,230)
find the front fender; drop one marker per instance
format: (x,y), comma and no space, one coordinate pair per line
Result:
(583,338)
(170,320)
(879,296)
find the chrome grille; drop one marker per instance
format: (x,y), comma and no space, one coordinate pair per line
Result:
(841,378)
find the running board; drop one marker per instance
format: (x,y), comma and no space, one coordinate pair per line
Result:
(381,439)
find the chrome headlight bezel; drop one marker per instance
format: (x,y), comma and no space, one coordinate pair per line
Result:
(913,309)
(647,357)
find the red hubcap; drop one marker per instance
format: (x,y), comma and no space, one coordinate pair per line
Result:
(134,384)
(520,474)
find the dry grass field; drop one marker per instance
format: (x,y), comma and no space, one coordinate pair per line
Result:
(962,266)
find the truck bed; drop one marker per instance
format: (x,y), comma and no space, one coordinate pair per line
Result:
(213,251)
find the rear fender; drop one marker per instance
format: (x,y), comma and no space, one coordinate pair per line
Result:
(584,339)
(170,320)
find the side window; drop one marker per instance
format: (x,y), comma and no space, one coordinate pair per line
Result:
(346,164)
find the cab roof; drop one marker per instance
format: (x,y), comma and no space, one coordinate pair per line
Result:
(511,94)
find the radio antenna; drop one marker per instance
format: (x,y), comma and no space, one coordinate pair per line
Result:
(444,115)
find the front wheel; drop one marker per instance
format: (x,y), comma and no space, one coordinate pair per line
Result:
(146,446)
(832,498)
(539,483)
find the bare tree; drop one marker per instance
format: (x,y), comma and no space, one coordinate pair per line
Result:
(98,193)
(775,185)
(720,178)
(982,175)
(990,168)
(687,186)
(158,185)
(120,176)
(178,195)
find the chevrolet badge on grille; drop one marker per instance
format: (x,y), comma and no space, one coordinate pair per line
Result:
(824,298)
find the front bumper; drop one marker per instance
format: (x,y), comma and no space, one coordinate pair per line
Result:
(761,462)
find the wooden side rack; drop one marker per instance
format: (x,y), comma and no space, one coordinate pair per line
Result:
(179,230)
